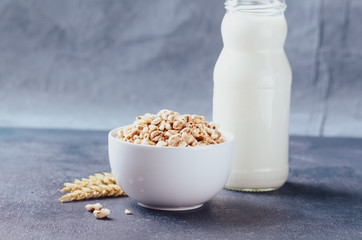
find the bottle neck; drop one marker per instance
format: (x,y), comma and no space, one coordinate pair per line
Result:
(257,7)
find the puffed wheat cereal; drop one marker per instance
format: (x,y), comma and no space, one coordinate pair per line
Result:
(93,207)
(104,212)
(128,212)
(170,129)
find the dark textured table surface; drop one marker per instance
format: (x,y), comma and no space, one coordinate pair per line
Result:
(322,198)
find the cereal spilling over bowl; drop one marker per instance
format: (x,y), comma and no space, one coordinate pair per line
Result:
(168,128)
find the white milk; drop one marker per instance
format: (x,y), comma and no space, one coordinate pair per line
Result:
(252,80)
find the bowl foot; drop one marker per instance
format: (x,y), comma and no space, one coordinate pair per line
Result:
(170,208)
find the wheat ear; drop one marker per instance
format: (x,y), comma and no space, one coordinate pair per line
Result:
(97,185)
(96,179)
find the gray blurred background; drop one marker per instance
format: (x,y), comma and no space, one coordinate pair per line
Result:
(90,64)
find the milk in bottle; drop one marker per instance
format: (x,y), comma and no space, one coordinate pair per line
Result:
(252,81)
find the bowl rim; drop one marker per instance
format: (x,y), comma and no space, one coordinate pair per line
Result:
(228,135)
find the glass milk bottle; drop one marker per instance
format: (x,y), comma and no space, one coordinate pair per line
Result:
(252,84)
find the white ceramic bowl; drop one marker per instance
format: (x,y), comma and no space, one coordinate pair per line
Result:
(170,178)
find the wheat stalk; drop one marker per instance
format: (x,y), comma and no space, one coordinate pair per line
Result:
(96,179)
(98,185)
